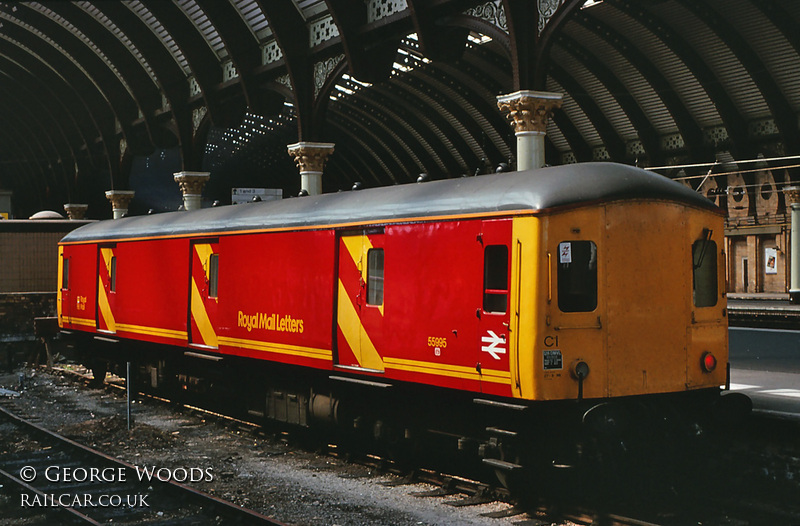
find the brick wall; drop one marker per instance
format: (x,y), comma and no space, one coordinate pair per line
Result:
(29,261)
(29,254)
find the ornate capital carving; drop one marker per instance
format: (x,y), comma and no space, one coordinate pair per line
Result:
(792,195)
(197,117)
(493,12)
(192,183)
(75,211)
(120,199)
(530,111)
(311,156)
(322,71)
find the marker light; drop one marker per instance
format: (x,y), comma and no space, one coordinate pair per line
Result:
(709,362)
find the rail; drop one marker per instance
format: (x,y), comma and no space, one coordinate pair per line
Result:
(63,477)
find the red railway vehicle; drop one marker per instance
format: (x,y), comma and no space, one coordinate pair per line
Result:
(474,307)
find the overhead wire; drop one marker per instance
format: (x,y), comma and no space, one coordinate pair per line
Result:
(706,165)
(736,172)
(727,189)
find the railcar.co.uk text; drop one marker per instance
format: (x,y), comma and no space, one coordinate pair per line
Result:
(108,475)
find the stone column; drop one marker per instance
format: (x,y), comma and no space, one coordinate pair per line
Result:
(75,211)
(792,195)
(530,112)
(310,158)
(192,184)
(120,200)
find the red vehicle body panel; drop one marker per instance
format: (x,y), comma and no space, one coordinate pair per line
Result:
(287,297)
(276,296)
(78,303)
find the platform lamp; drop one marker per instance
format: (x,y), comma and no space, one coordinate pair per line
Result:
(792,195)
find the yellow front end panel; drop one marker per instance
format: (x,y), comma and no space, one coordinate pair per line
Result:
(648,284)
(645,335)
(565,338)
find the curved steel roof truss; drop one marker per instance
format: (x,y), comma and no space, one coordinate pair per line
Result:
(649,82)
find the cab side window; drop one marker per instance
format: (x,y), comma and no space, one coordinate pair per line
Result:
(495,279)
(112,275)
(65,273)
(375,276)
(577,276)
(704,273)
(213,275)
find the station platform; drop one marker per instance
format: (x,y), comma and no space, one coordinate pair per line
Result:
(763,310)
(764,343)
(773,393)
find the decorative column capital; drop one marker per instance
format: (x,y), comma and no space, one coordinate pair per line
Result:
(311,156)
(192,183)
(530,111)
(75,211)
(792,195)
(120,199)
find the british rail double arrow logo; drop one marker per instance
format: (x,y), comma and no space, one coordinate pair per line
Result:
(494,342)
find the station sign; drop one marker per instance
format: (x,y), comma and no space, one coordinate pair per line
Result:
(246,195)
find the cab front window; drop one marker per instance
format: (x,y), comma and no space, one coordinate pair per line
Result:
(577,276)
(704,273)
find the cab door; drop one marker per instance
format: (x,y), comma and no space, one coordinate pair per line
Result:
(64,301)
(204,293)
(106,288)
(494,312)
(360,301)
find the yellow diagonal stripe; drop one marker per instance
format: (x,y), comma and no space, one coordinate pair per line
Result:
(355,334)
(105,307)
(204,252)
(107,254)
(358,247)
(201,318)
(355,246)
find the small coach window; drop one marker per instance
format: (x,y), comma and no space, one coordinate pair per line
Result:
(112,278)
(577,276)
(495,278)
(213,273)
(65,273)
(704,264)
(375,276)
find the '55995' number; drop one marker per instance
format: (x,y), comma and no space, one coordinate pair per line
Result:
(433,341)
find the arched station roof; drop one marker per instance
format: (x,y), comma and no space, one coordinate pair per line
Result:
(90,88)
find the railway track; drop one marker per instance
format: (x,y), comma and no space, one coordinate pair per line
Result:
(712,507)
(451,490)
(56,480)
(460,491)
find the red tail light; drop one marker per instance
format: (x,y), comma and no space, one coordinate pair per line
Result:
(709,362)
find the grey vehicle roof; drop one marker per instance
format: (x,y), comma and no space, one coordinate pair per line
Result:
(545,189)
